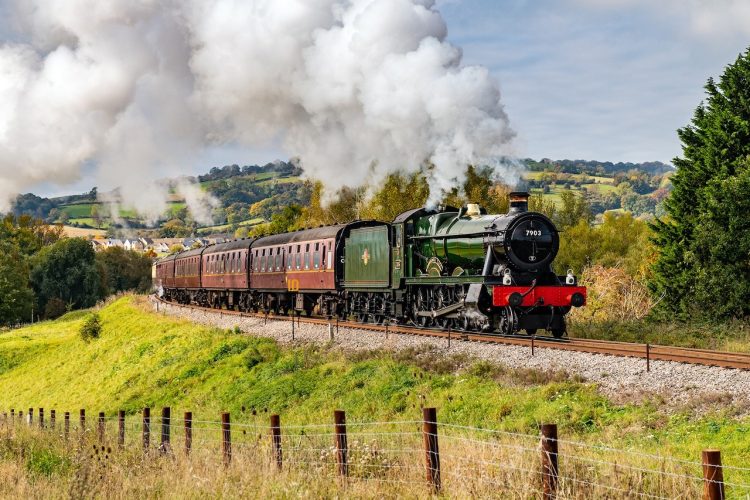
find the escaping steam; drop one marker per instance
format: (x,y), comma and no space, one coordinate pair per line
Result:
(355,88)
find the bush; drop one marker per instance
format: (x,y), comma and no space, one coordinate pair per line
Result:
(55,308)
(613,295)
(91,328)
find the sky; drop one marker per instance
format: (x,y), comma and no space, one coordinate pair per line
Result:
(607,80)
(600,79)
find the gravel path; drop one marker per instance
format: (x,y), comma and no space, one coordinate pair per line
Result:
(675,385)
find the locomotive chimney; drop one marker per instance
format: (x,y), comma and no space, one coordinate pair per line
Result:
(519,202)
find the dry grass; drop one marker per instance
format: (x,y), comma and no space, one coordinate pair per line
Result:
(386,460)
(82,232)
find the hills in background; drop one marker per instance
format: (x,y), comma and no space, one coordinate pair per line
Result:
(249,195)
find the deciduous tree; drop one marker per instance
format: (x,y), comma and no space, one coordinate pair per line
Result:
(67,271)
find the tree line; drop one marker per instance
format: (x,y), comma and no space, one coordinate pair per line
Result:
(44,274)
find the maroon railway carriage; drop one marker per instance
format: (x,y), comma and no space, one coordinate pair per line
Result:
(165,272)
(225,275)
(187,266)
(301,270)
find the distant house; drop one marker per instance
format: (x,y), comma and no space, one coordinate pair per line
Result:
(217,238)
(114,243)
(147,243)
(133,244)
(163,245)
(98,245)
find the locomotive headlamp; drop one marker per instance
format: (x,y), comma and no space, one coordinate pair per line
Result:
(570,279)
(507,280)
(577,300)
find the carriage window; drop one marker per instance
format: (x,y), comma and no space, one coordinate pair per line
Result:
(278,262)
(289,259)
(317,246)
(307,260)
(316,260)
(298,260)
(324,257)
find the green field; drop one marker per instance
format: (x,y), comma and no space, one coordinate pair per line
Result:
(225,227)
(78,210)
(280,180)
(89,221)
(146,359)
(585,178)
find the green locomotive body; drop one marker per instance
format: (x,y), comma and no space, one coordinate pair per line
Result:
(461,269)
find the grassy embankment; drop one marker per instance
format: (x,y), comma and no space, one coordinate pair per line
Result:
(144,359)
(731,336)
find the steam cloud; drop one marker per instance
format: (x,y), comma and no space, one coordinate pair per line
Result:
(355,88)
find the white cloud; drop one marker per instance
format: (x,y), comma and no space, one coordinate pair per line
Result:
(709,18)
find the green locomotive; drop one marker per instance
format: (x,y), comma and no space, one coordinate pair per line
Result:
(461,269)
(450,268)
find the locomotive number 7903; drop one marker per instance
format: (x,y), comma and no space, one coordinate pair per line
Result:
(533,232)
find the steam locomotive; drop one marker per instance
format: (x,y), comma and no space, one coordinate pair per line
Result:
(448,268)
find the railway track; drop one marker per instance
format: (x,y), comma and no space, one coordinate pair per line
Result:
(648,352)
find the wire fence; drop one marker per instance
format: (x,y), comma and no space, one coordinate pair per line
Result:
(438,457)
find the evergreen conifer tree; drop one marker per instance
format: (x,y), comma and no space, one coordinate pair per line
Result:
(703,268)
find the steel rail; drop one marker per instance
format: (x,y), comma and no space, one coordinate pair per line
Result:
(650,352)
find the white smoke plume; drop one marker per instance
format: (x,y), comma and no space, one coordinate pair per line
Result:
(355,88)
(201,204)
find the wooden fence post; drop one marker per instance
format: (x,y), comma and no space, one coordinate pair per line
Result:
(146,429)
(339,418)
(13,416)
(188,432)
(276,439)
(66,426)
(52,419)
(166,421)
(226,438)
(20,416)
(41,418)
(100,427)
(30,417)
(713,475)
(431,448)
(549,461)
(121,428)
(82,420)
